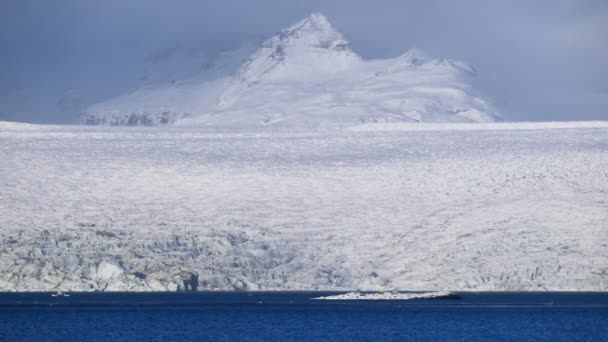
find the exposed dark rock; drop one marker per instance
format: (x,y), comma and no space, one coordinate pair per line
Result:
(190,281)
(140,275)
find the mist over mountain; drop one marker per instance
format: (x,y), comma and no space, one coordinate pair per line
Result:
(538,61)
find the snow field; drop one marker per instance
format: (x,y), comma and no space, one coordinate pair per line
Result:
(433,209)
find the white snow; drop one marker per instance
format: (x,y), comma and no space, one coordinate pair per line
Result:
(502,206)
(305,77)
(107,271)
(405,127)
(386,296)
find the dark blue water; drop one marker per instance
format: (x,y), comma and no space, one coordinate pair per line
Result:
(294,316)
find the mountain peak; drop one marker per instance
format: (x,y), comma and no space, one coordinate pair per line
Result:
(314,22)
(306,76)
(305,41)
(314,31)
(312,44)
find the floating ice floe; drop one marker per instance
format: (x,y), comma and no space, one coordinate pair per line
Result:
(389,296)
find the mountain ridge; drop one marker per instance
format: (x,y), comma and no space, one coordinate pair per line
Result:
(307,76)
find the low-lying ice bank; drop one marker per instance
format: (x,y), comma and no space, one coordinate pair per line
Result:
(486,126)
(389,296)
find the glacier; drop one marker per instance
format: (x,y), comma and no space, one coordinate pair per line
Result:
(307,76)
(375,206)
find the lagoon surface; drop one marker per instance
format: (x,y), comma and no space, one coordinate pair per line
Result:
(284,316)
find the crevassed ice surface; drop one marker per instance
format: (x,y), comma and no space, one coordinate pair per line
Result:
(497,207)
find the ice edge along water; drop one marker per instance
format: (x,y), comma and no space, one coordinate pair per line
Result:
(513,206)
(307,76)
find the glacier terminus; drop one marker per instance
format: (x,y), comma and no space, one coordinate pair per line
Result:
(406,206)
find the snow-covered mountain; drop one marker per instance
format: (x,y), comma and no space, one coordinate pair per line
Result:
(518,206)
(307,76)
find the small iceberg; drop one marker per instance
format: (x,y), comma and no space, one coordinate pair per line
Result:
(390,296)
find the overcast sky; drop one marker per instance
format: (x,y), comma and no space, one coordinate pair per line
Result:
(537,60)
